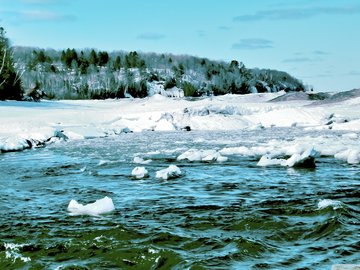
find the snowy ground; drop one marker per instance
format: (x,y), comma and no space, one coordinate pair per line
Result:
(29,124)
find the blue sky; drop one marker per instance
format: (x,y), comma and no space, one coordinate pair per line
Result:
(317,41)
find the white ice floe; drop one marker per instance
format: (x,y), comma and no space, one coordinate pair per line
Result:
(325,203)
(101,206)
(171,172)
(267,160)
(139,172)
(305,160)
(351,156)
(139,160)
(202,155)
(243,151)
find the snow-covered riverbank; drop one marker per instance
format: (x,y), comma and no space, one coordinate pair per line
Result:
(28,124)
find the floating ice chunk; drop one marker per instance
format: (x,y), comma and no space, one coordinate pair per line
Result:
(191,155)
(349,156)
(171,172)
(342,155)
(140,160)
(221,158)
(14,144)
(266,160)
(241,150)
(305,160)
(329,203)
(245,151)
(101,206)
(353,157)
(202,155)
(139,172)
(215,157)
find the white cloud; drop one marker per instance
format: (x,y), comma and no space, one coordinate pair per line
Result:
(297,13)
(43,15)
(43,1)
(253,44)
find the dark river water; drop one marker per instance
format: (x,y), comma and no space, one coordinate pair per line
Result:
(231,215)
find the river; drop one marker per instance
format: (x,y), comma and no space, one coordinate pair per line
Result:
(231,215)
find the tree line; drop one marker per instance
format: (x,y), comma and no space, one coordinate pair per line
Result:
(96,74)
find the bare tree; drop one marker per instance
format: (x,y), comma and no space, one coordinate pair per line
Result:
(2,67)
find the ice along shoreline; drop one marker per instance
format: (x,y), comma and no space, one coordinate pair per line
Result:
(25,124)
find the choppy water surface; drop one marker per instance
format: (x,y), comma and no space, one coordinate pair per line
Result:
(233,215)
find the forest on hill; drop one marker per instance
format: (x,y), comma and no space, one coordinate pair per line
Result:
(94,74)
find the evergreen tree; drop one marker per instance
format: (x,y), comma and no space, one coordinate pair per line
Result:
(63,56)
(10,84)
(41,57)
(117,63)
(189,90)
(93,58)
(84,63)
(103,58)
(132,60)
(69,57)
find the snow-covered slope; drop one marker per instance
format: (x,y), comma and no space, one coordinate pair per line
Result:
(28,124)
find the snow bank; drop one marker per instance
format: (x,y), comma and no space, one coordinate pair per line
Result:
(139,172)
(202,155)
(169,173)
(164,125)
(24,125)
(101,206)
(329,203)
